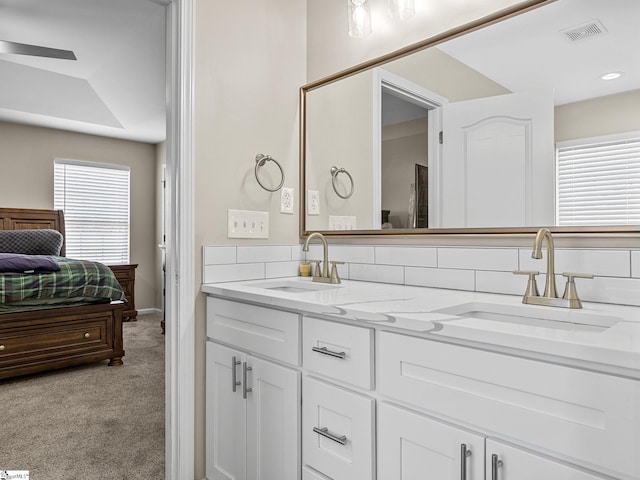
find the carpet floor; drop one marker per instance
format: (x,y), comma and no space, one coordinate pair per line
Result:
(91,422)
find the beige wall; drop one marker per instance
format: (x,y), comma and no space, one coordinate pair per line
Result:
(249,65)
(600,116)
(26,181)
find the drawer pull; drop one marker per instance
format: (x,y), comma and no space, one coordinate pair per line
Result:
(495,464)
(87,335)
(464,453)
(2,347)
(234,380)
(325,433)
(245,389)
(326,351)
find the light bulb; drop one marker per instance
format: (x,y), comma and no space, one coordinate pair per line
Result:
(402,9)
(359,18)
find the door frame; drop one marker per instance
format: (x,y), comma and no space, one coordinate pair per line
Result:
(419,95)
(180,258)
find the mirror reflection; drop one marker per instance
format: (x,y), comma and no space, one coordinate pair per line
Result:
(532,121)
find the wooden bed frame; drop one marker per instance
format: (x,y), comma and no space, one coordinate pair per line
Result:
(51,338)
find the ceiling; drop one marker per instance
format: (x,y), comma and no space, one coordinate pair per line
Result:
(116,88)
(530,51)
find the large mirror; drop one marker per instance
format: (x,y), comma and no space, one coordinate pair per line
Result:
(529,121)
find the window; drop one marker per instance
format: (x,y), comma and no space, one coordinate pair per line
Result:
(598,181)
(95,200)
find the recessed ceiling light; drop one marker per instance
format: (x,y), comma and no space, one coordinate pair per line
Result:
(611,76)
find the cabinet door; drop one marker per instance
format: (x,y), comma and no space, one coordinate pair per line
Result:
(273,421)
(225,415)
(415,447)
(505,462)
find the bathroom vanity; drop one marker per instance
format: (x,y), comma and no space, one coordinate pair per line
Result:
(362,381)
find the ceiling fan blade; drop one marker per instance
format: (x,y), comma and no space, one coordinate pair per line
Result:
(35,50)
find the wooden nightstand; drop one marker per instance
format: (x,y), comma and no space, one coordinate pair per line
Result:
(126,275)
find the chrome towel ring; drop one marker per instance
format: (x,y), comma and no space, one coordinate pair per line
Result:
(334,175)
(260,161)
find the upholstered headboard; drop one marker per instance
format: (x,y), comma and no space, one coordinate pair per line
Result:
(29,219)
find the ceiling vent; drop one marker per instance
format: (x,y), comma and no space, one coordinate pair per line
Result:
(591,29)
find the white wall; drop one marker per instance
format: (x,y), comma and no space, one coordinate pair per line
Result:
(26,181)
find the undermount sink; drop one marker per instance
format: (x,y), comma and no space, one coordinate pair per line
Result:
(292,286)
(546,317)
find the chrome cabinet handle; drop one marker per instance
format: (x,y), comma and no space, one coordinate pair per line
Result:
(495,464)
(245,389)
(326,351)
(464,453)
(324,431)
(234,380)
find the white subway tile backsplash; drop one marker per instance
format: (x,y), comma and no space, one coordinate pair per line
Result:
(233,273)
(623,291)
(462,268)
(606,263)
(500,282)
(500,259)
(281,269)
(440,278)
(409,256)
(376,273)
(343,253)
(264,253)
(635,263)
(214,255)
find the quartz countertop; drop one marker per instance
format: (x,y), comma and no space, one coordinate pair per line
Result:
(612,347)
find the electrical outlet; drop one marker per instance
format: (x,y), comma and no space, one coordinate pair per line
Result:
(286,200)
(247,224)
(313,202)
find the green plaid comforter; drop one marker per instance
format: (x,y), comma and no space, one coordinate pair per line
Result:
(76,279)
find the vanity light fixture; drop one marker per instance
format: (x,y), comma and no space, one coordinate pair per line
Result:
(402,9)
(611,76)
(359,18)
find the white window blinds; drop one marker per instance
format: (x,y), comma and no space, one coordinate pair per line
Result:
(598,181)
(95,200)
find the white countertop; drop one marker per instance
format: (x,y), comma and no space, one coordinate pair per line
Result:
(415,311)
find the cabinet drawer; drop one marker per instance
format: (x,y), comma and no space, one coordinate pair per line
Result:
(590,418)
(339,351)
(337,431)
(63,337)
(265,331)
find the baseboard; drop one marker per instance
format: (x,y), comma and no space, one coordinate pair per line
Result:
(145,311)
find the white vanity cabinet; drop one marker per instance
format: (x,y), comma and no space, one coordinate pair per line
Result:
(579,417)
(252,404)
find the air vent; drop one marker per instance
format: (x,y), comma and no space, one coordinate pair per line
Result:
(591,29)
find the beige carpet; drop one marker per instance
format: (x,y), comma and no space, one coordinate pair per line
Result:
(91,422)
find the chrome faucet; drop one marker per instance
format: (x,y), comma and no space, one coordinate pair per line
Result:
(550,297)
(323,276)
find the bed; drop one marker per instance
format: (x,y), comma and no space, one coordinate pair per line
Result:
(40,338)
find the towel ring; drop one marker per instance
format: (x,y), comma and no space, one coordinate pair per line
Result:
(334,175)
(260,161)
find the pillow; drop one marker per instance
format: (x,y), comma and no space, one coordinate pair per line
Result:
(15,263)
(31,242)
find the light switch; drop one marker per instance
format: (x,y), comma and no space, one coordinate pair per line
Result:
(247,224)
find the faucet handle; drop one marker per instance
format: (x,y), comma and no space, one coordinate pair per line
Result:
(570,292)
(532,286)
(316,268)
(335,278)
